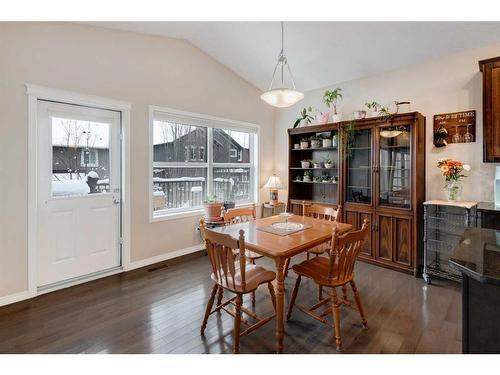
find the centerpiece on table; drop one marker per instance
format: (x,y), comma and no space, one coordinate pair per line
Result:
(452,171)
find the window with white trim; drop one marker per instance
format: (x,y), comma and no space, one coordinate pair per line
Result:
(195,156)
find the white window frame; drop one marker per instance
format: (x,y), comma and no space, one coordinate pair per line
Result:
(209,122)
(82,158)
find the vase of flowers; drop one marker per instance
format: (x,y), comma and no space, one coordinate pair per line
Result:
(452,172)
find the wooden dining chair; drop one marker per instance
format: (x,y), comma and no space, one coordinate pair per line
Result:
(232,273)
(318,211)
(336,270)
(242,215)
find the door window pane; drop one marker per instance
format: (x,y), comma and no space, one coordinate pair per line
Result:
(395,166)
(232,184)
(230,146)
(178,187)
(359,165)
(80,157)
(179,143)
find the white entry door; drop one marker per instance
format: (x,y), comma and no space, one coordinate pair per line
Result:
(78,192)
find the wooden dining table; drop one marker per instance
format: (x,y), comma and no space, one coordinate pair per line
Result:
(280,248)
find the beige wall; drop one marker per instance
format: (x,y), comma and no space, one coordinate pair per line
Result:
(131,67)
(449,84)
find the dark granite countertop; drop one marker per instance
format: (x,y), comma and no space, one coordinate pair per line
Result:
(478,255)
(487,206)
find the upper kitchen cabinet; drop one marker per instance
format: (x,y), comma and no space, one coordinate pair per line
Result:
(491,109)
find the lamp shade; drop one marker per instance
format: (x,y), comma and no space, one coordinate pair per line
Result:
(274,183)
(282,97)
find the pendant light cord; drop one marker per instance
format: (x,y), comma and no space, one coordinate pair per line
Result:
(282,53)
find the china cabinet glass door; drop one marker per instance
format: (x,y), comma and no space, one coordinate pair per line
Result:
(359,168)
(394,159)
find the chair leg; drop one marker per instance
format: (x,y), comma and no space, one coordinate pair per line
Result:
(307,255)
(273,296)
(294,296)
(320,292)
(237,324)
(252,261)
(336,319)
(358,302)
(344,292)
(287,265)
(209,308)
(220,295)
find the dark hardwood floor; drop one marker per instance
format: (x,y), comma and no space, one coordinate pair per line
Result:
(159,310)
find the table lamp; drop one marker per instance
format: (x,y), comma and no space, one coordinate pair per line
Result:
(273,184)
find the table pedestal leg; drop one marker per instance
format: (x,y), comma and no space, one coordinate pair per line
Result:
(280,302)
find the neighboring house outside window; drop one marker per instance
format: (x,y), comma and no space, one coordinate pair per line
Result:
(193,158)
(89,158)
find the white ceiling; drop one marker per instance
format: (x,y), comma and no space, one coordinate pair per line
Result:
(321,53)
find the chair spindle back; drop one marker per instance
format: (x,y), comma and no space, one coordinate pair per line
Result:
(223,251)
(320,211)
(344,252)
(239,215)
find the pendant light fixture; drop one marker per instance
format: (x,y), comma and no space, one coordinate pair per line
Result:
(282,96)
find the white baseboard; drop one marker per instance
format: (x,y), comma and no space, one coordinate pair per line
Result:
(16,297)
(163,257)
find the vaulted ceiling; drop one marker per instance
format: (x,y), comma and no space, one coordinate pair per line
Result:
(321,53)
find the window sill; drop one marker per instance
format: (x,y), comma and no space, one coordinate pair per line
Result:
(193,213)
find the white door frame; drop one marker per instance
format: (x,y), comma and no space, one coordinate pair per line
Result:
(34,94)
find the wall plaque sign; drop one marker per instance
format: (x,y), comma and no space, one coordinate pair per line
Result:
(461,126)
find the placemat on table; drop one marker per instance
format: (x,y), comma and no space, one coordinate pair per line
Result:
(282,232)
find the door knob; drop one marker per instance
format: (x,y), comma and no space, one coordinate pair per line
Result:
(116,201)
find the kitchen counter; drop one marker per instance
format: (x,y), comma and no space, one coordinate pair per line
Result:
(477,257)
(488,215)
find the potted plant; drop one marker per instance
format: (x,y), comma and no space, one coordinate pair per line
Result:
(305,117)
(331,98)
(304,143)
(322,118)
(325,178)
(373,108)
(316,164)
(306,163)
(452,171)
(358,115)
(326,141)
(316,179)
(298,178)
(307,176)
(315,141)
(384,113)
(212,206)
(328,163)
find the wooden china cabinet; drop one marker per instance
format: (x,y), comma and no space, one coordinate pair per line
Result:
(324,191)
(381,177)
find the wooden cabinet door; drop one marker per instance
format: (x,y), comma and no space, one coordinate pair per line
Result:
(384,230)
(394,238)
(355,218)
(491,109)
(403,237)
(367,248)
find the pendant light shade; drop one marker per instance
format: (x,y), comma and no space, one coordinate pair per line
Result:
(282,96)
